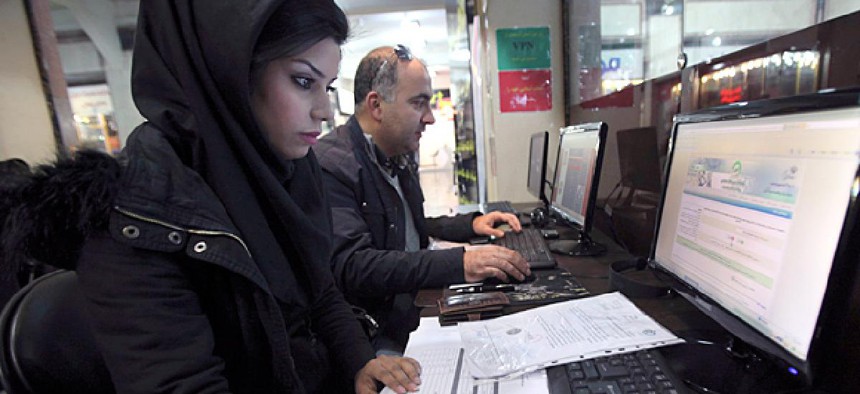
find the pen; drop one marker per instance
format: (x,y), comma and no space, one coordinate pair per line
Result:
(699,388)
(481,288)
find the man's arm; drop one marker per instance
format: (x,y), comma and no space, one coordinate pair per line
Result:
(456,228)
(360,269)
(461,228)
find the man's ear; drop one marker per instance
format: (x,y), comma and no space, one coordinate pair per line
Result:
(373,102)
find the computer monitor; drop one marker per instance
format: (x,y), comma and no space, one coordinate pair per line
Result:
(756,220)
(538,147)
(574,190)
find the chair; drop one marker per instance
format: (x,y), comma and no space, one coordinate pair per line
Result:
(46,343)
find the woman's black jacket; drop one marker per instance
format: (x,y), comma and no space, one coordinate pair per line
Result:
(177,303)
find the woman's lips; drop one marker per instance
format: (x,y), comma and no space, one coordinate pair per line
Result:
(310,138)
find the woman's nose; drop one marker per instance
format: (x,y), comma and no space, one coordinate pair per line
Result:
(322,109)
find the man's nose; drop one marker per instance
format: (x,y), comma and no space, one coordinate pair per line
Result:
(428,117)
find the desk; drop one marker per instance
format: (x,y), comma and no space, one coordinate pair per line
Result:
(709,366)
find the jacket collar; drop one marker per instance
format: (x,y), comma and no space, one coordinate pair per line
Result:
(390,165)
(159,190)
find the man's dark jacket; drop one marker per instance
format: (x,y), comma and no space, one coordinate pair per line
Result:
(152,225)
(370,264)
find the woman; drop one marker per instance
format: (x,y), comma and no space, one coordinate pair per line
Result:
(204,257)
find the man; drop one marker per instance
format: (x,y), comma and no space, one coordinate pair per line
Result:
(380,232)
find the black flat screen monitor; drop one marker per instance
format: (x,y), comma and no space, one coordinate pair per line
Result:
(538,146)
(574,190)
(756,220)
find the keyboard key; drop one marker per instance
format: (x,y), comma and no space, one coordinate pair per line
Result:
(529,243)
(501,206)
(640,372)
(608,371)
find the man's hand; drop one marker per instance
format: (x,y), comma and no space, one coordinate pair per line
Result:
(484,224)
(480,262)
(398,373)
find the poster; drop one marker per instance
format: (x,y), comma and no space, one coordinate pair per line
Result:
(525,78)
(526,90)
(523,48)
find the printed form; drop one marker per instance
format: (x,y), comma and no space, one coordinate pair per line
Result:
(444,369)
(559,333)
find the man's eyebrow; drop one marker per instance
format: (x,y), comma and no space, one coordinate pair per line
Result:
(421,96)
(312,67)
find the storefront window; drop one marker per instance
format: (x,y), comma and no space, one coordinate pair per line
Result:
(94,118)
(783,74)
(617,43)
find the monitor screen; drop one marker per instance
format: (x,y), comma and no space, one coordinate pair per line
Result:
(752,215)
(538,146)
(577,171)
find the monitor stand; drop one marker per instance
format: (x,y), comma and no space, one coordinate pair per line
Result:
(584,246)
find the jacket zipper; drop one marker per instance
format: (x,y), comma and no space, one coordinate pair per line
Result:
(190,231)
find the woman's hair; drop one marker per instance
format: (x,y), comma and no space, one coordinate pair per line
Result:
(296,26)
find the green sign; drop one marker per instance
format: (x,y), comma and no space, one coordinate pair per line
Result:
(523,48)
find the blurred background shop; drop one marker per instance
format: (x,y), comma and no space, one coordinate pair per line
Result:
(633,63)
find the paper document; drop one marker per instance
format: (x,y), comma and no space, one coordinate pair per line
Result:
(559,333)
(444,369)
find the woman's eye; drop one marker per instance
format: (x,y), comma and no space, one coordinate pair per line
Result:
(304,83)
(330,89)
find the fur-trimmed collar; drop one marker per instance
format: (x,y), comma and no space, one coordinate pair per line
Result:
(48,216)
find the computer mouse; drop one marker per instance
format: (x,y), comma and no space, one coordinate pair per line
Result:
(528,279)
(525,219)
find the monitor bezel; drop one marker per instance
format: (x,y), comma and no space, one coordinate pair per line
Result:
(846,256)
(541,192)
(602,130)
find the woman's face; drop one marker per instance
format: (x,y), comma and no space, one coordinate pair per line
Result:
(290,100)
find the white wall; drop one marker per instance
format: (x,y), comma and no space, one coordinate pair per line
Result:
(835,8)
(507,134)
(25,123)
(748,16)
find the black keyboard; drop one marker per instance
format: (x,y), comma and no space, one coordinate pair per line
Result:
(501,206)
(531,245)
(640,372)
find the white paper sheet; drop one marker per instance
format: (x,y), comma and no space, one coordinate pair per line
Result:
(559,333)
(444,369)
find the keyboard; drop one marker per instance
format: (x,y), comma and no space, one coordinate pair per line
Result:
(640,372)
(530,244)
(501,206)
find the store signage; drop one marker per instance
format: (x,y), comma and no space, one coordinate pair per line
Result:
(614,64)
(524,62)
(731,95)
(527,90)
(522,48)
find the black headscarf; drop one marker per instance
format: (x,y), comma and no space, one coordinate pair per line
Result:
(191,79)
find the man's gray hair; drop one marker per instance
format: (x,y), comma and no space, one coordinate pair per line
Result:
(377,71)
